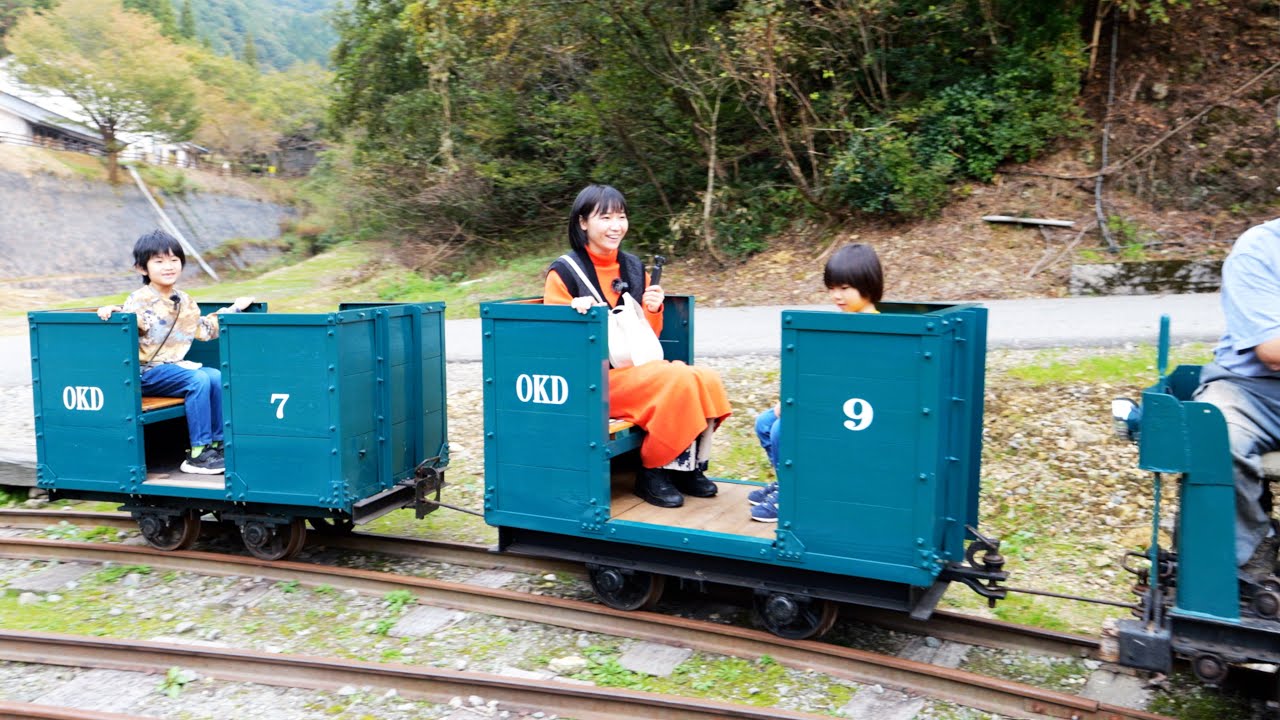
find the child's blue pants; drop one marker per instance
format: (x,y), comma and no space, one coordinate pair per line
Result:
(202,391)
(768,424)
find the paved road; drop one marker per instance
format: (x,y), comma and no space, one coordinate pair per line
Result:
(1066,322)
(728,332)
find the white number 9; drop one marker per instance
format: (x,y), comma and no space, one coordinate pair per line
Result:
(859,412)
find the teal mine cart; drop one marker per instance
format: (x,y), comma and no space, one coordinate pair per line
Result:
(1199,607)
(336,418)
(879,463)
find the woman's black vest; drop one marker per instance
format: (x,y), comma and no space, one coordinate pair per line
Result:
(630,273)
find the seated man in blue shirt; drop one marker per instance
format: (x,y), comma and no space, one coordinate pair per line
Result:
(1244,382)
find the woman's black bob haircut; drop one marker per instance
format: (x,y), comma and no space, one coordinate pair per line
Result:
(593,199)
(156,242)
(857,266)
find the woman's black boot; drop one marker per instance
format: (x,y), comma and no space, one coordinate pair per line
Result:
(694,483)
(653,486)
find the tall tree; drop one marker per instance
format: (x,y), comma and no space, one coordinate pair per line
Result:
(250,53)
(115,65)
(161,10)
(187,21)
(13,10)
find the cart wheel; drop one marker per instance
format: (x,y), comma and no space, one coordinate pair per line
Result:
(170,532)
(1209,668)
(271,541)
(623,589)
(795,617)
(332,526)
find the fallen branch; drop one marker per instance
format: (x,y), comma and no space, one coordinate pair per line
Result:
(1043,263)
(1028,221)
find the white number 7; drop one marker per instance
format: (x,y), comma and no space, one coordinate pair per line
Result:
(283,398)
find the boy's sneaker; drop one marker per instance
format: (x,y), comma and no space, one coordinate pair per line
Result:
(767,510)
(208,462)
(757,496)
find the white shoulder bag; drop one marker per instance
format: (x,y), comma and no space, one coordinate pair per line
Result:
(631,338)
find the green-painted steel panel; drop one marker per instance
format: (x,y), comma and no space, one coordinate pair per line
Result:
(879,453)
(857,502)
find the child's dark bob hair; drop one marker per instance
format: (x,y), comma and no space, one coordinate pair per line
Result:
(156,242)
(857,266)
(591,200)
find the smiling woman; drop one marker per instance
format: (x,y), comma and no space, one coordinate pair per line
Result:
(679,405)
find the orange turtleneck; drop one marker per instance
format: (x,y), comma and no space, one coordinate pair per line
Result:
(607,270)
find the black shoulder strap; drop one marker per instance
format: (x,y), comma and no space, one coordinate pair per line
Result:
(631,270)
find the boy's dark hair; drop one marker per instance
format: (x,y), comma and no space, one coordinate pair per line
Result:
(156,242)
(857,266)
(591,200)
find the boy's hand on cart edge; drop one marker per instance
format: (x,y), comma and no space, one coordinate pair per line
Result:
(242,302)
(104,312)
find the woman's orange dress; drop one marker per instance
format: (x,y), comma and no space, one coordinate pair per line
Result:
(672,401)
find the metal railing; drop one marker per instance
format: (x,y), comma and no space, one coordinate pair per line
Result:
(135,155)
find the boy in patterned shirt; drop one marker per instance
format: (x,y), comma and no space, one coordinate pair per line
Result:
(168,321)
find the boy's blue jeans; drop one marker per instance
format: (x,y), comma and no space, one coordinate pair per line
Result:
(768,425)
(200,388)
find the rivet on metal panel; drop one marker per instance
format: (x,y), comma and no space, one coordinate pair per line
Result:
(928,326)
(331,368)
(333,388)
(333,428)
(924,411)
(786,525)
(591,338)
(924,477)
(928,356)
(791,401)
(786,319)
(334,451)
(763,552)
(592,501)
(488,381)
(919,541)
(591,388)
(591,445)
(791,347)
(787,463)
(484,311)
(684,541)
(488,334)
(489,435)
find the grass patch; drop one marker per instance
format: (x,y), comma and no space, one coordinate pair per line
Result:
(362,273)
(1128,367)
(1188,699)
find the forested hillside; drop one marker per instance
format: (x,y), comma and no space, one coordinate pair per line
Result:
(732,122)
(284,32)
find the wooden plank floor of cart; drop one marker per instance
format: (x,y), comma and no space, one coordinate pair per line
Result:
(728,512)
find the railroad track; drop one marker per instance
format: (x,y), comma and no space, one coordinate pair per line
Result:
(943,625)
(414,682)
(990,694)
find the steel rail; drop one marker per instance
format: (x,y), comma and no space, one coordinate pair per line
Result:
(942,624)
(990,694)
(417,682)
(11,710)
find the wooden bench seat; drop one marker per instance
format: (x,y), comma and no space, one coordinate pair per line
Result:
(155,403)
(155,409)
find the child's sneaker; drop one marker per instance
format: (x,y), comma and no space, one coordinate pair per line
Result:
(767,510)
(208,462)
(757,496)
